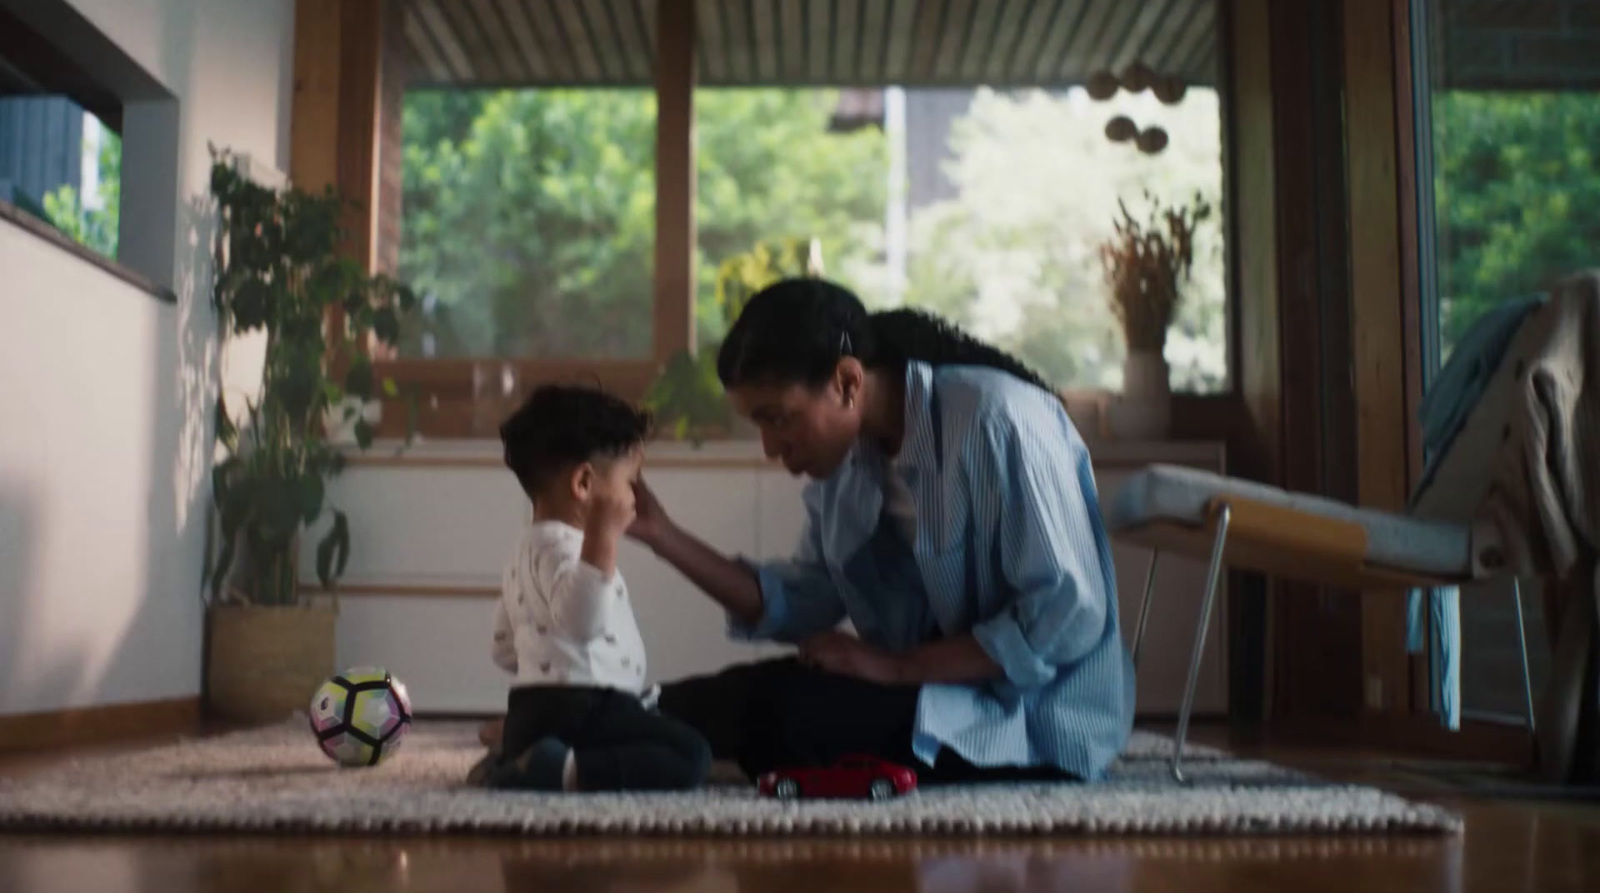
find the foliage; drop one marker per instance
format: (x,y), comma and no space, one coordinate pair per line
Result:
(1517,186)
(688,394)
(1144,263)
(278,271)
(94,228)
(1012,255)
(529,216)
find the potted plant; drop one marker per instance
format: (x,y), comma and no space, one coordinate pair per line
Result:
(1144,263)
(687,394)
(278,273)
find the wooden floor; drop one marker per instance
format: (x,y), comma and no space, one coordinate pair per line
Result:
(1546,847)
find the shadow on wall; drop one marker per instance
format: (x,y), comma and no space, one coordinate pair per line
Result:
(26,668)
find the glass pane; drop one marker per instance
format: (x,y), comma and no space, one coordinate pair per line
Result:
(1515,131)
(528,223)
(1508,105)
(60,164)
(986,204)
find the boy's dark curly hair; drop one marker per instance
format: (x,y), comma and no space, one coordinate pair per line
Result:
(559,426)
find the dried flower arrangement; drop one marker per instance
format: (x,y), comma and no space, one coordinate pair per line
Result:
(1143,264)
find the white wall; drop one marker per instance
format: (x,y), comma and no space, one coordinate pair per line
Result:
(105,406)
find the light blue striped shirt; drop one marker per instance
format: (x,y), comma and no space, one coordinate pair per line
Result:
(1009,546)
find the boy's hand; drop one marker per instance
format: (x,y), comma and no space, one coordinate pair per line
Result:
(609,515)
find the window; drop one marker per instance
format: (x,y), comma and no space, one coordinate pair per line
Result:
(58,162)
(923,156)
(962,166)
(528,223)
(1507,104)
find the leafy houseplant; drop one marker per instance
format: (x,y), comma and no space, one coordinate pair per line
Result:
(687,395)
(278,272)
(1144,263)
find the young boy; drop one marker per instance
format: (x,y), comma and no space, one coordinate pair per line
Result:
(577,718)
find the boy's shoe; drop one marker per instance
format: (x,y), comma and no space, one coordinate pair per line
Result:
(539,768)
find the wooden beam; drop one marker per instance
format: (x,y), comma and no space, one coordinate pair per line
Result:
(1378,348)
(675,178)
(360,79)
(314,113)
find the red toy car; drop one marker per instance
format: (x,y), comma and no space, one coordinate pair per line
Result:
(851,777)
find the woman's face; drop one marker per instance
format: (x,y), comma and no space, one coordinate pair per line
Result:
(811,430)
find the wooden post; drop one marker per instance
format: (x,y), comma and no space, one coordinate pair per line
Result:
(1379,350)
(675,179)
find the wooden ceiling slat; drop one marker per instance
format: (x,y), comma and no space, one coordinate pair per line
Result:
(1040,17)
(819,39)
(569,26)
(931,16)
(874,50)
(1166,37)
(608,44)
(1065,24)
(522,33)
(1201,31)
(956,32)
(811,42)
(738,40)
(474,42)
(902,27)
(792,39)
(425,51)
(499,38)
(444,35)
(1119,27)
(711,41)
(1090,30)
(991,64)
(551,43)
(847,27)
(1151,15)
(764,24)
(629,29)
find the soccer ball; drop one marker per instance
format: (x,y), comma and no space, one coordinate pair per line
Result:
(360,716)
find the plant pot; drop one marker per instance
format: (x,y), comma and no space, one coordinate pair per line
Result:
(1144,410)
(264,663)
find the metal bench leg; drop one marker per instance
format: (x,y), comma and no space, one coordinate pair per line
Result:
(1213,578)
(1144,606)
(1522,641)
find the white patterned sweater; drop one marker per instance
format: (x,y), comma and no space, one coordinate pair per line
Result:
(561,621)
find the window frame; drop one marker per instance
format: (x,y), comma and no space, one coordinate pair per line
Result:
(340,61)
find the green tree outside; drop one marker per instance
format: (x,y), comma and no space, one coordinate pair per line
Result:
(1517,194)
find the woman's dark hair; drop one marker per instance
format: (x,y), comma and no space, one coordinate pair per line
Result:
(795,332)
(559,426)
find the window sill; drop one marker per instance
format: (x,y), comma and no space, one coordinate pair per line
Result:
(486,453)
(48,233)
(743,454)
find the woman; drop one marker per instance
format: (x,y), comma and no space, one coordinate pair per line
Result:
(952,518)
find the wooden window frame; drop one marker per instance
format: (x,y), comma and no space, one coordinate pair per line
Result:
(335,134)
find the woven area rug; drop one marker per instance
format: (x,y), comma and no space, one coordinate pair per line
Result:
(275,780)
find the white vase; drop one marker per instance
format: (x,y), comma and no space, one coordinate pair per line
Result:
(1144,410)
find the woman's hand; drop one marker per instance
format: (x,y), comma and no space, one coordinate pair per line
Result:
(650,522)
(845,655)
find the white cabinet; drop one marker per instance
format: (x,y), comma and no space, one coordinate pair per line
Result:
(429,540)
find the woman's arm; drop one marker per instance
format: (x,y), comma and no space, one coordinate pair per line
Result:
(784,600)
(728,582)
(960,659)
